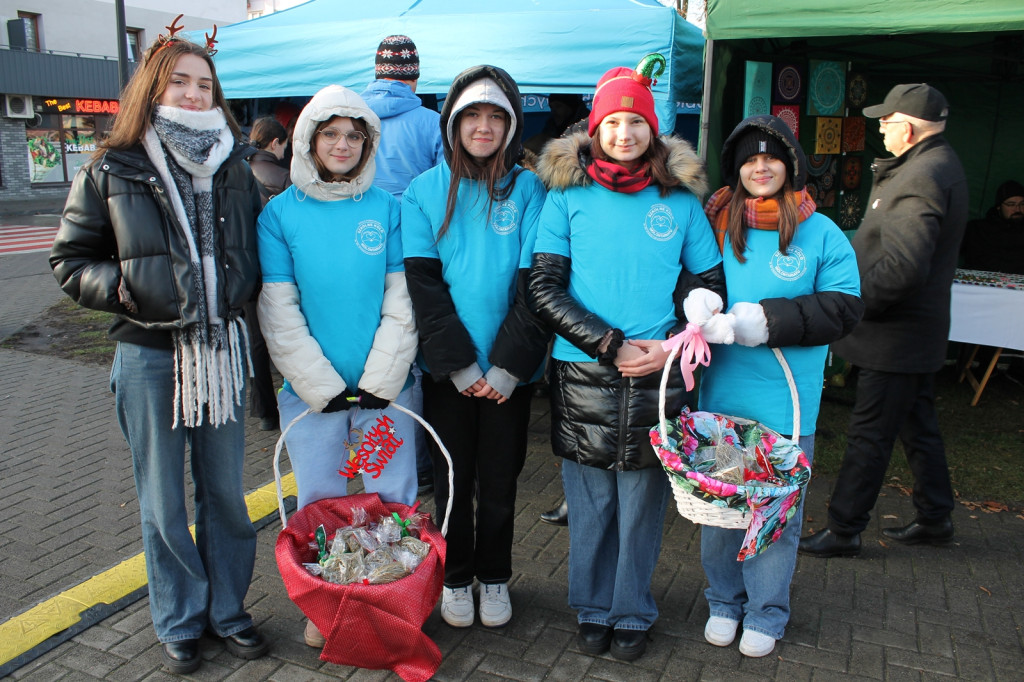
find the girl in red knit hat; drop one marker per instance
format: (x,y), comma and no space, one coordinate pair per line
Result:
(621,231)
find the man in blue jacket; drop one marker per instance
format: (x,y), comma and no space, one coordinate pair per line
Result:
(410,143)
(410,134)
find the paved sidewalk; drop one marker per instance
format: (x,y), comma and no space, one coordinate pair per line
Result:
(68,512)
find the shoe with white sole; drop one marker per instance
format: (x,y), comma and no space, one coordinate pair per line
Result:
(720,631)
(756,644)
(495,607)
(457,606)
(313,636)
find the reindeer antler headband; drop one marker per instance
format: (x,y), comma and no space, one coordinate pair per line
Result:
(170,37)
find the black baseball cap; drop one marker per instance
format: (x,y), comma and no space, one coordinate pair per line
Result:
(919,100)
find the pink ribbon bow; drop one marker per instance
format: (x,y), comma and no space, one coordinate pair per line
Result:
(694,351)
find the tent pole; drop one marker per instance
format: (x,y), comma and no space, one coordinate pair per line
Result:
(705,101)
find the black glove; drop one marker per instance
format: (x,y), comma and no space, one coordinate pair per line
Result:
(340,402)
(369,401)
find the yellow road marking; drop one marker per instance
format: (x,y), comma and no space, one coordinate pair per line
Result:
(32,627)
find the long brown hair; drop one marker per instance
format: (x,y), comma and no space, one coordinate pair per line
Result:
(789,218)
(656,156)
(142,94)
(364,154)
(489,173)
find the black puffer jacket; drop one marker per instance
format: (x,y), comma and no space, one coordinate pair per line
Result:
(119,241)
(600,418)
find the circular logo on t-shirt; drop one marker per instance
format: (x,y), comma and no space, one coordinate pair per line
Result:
(370,237)
(660,224)
(505,217)
(789,267)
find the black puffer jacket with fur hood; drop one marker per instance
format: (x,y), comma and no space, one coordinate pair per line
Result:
(601,418)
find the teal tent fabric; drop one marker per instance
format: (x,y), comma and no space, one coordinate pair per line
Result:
(546,45)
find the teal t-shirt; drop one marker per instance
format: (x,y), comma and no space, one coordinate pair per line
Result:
(480,254)
(626,252)
(749,382)
(337,253)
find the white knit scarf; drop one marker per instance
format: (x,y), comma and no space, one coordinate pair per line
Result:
(210,357)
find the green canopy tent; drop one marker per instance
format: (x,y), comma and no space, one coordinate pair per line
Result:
(971,50)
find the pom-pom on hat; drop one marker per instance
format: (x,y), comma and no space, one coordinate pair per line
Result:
(625,89)
(397,58)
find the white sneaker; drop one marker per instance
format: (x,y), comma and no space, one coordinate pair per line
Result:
(756,644)
(457,606)
(720,631)
(495,608)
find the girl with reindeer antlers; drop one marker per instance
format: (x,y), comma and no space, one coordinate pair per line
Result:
(160,229)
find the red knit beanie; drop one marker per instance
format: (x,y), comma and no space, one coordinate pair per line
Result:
(624,89)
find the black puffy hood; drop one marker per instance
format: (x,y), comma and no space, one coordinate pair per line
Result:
(514,151)
(778,129)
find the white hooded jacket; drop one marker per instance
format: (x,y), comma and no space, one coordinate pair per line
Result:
(296,353)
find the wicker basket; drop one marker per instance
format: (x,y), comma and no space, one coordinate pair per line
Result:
(734,510)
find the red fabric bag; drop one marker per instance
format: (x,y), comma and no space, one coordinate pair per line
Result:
(368,626)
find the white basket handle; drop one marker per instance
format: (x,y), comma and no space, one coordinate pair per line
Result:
(785,370)
(430,429)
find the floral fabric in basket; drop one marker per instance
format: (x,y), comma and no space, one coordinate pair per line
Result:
(770,506)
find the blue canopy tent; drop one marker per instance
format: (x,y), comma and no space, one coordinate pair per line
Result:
(546,45)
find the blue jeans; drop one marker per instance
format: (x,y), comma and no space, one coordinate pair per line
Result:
(318,452)
(193,585)
(755,591)
(615,524)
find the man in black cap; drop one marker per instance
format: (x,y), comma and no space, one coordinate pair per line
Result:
(907,248)
(996,242)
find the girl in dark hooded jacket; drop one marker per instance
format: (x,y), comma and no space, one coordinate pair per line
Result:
(793,280)
(620,232)
(468,227)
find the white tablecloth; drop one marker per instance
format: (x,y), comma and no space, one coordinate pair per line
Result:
(987,315)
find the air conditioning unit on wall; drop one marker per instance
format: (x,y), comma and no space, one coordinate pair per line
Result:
(18,106)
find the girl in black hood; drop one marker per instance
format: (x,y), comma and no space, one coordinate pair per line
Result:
(468,227)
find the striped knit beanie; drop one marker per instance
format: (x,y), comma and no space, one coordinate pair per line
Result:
(397,58)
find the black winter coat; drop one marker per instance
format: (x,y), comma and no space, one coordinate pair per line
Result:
(120,248)
(907,248)
(600,418)
(273,177)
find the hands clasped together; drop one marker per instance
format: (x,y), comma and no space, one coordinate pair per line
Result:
(482,389)
(744,323)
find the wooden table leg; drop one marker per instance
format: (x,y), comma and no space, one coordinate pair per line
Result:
(967,365)
(975,384)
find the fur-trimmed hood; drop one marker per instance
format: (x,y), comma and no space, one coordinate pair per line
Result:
(563,163)
(332,101)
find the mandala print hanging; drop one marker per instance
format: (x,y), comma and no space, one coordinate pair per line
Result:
(856,91)
(852,167)
(757,88)
(817,164)
(829,135)
(826,88)
(827,180)
(790,115)
(853,133)
(849,212)
(787,84)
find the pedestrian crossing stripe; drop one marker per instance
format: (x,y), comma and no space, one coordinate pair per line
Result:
(15,239)
(32,628)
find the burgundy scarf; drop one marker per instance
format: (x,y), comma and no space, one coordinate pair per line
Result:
(618,178)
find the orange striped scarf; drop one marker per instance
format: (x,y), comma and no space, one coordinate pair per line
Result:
(759,213)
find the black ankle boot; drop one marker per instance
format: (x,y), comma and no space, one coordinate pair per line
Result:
(559,516)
